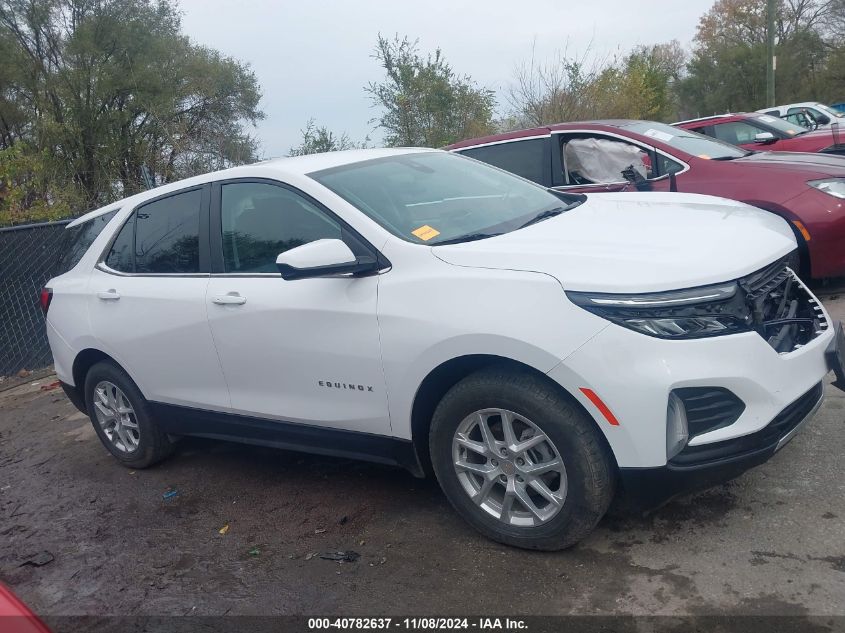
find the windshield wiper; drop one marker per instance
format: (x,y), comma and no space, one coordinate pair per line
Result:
(469,237)
(549,213)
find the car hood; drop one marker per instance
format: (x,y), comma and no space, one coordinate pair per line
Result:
(820,134)
(817,139)
(637,242)
(810,164)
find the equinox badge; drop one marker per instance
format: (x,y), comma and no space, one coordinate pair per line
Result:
(343,385)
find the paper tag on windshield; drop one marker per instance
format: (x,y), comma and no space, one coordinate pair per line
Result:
(660,136)
(425,232)
(766,119)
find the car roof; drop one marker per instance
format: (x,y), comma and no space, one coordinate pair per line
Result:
(718,117)
(802,104)
(288,166)
(535,132)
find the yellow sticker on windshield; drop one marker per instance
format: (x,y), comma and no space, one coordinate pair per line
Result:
(425,232)
(704,156)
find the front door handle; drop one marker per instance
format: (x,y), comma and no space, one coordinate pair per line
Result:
(231,299)
(109,295)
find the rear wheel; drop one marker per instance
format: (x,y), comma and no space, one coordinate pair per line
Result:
(519,462)
(122,417)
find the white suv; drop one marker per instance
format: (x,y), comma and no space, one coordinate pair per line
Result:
(823,115)
(536,350)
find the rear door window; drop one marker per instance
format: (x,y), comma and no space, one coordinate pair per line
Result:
(167,234)
(120,257)
(78,240)
(736,132)
(529,159)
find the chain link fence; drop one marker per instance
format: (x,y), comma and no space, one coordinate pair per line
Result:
(29,256)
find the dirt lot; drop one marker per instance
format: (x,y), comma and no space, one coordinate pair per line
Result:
(772,542)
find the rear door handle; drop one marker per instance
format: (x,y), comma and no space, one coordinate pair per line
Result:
(231,299)
(108,295)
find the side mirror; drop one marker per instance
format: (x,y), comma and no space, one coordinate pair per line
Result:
(322,258)
(822,119)
(764,137)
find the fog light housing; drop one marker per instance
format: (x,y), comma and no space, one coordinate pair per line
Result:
(677,432)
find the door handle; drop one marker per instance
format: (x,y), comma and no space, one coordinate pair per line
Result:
(231,299)
(108,295)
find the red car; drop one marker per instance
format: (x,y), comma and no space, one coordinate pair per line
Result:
(15,616)
(754,131)
(808,190)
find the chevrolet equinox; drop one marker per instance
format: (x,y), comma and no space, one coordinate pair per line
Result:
(538,351)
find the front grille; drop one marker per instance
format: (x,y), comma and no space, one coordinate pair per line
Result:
(782,310)
(709,408)
(765,438)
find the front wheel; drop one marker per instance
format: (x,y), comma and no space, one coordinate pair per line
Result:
(519,462)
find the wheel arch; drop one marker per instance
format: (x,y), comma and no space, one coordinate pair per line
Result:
(82,363)
(805,271)
(446,375)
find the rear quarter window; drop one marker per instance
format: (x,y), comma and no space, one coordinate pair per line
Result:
(78,240)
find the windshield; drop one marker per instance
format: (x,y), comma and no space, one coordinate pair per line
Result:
(776,123)
(687,141)
(437,197)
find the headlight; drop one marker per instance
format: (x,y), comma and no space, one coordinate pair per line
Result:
(833,186)
(682,314)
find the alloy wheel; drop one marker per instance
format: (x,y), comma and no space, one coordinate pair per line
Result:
(116,416)
(509,467)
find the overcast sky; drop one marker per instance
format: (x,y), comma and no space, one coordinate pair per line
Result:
(313,57)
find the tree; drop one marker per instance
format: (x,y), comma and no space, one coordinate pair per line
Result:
(424,101)
(318,138)
(727,69)
(105,91)
(571,88)
(552,92)
(30,189)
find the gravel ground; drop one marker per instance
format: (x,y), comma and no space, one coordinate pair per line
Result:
(769,543)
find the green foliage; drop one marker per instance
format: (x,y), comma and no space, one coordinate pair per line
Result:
(110,89)
(29,190)
(572,88)
(727,70)
(318,138)
(423,101)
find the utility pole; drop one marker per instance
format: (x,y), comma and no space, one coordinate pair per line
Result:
(771,60)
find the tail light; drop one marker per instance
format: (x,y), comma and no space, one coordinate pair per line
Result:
(46,298)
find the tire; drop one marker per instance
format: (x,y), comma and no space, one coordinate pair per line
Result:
(144,444)
(589,477)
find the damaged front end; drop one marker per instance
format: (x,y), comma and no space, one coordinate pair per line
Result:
(772,301)
(782,309)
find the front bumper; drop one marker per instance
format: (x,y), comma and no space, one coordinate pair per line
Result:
(712,464)
(633,375)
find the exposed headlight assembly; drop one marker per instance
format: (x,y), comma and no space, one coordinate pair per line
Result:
(683,314)
(832,186)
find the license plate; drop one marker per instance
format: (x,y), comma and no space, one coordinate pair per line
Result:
(836,355)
